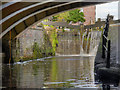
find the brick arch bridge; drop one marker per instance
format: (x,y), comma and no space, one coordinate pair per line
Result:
(17,16)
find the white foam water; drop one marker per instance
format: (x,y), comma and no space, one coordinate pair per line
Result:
(88,42)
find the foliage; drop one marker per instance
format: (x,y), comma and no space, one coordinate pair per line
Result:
(51,38)
(45,20)
(75,16)
(72,15)
(54,40)
(60,17)
(47,47)
(55,18)
(63,30)
(25,58)
(36,51)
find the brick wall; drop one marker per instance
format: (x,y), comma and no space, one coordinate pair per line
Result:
(26,41)
(89,13)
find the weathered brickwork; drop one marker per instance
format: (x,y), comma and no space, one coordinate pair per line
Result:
(90,14)
(26,40)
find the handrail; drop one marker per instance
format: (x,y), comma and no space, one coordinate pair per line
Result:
(105,37)
(105,47)
(104,41)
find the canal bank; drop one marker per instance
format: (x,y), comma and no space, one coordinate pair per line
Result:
(109,75)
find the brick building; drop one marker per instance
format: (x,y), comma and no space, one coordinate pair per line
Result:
(90,14)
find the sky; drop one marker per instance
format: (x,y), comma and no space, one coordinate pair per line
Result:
(108,8)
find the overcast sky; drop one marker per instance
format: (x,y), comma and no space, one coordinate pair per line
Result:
(109,8)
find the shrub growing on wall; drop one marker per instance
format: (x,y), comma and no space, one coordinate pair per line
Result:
(54,40)
(36,51)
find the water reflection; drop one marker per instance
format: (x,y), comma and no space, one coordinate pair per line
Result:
(55,72)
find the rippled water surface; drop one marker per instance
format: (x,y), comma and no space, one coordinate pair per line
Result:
(53,72)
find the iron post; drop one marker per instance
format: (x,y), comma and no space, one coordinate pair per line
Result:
(108,56)
(103,49)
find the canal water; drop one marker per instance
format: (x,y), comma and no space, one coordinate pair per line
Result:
(51,72)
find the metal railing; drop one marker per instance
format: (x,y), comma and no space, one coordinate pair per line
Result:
(104,41)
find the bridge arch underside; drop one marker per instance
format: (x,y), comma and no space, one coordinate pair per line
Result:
(18,16)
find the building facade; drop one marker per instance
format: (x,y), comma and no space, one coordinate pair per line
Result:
(90,14)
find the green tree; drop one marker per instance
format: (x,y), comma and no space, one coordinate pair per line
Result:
(72,15)
(75,16)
